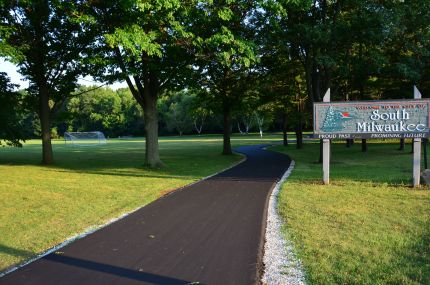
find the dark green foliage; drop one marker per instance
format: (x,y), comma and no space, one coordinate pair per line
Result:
(115,113)
(147,44)
(362,50)
(10,125)
(46,43)
(176,113)
(225,54)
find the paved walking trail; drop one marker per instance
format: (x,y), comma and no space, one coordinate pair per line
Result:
(209,233)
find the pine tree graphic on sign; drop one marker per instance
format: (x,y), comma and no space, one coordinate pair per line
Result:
(334,120)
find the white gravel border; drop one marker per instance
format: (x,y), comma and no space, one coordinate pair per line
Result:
(281,265)
(94,228)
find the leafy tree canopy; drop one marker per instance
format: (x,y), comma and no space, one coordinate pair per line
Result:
(10,127)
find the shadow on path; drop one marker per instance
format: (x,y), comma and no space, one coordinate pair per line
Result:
(114,270)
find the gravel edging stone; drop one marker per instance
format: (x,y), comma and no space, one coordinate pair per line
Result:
(281,265)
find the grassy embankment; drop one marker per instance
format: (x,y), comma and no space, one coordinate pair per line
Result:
(368,227)
(41,206)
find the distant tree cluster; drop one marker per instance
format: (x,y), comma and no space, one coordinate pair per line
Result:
(116,114)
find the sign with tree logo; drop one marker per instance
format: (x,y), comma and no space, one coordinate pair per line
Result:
(375,119)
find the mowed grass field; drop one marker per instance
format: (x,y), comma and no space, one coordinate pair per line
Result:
(41,206)
(368,227)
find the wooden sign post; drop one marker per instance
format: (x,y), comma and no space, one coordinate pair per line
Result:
(390,119)
(326,149)
(417,151)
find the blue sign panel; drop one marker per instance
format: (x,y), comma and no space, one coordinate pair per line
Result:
(373,119)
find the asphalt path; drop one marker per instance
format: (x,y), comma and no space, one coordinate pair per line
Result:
(211,232)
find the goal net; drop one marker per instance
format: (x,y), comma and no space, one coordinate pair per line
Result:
(84,138)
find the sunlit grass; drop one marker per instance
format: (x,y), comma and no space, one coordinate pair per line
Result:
(368,227)
(43,205)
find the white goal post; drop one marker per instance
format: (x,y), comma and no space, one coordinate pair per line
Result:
(84,138)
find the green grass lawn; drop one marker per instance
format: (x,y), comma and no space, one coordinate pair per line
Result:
(368,226)
(43,205)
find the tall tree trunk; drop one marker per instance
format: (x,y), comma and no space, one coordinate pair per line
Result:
(198,128)
(299,132)
(316,88)
(227,128)
(152,156)
(145,91)
(238,127)
(284,129)
(348,143)
(299,137)
(45,123)
(40,74)
(402,144)
(312,76)
(364,145)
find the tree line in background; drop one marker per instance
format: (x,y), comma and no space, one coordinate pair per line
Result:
(117,114)
(236,59)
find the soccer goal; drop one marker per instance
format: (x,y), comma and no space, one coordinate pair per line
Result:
(84,138)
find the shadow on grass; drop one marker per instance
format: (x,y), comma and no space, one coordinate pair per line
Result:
(383,163)
(121,173)
(98,160)
(15,252)
(189,163)
(19,253)
(415,258)
(183,161)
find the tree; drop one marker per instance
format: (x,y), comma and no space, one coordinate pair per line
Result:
(177,115)
(225,54)
(245,113)
(199,110)
(133,114)
(10,125)
(263,117)
(97,109)
(46,44)
(147,44)
(406,48)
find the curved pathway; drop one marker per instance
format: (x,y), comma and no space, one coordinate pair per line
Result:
(211,232)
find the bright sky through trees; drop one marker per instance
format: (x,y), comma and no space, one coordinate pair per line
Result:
(11,71)
(16,78)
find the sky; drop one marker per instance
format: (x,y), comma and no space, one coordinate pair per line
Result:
(16,78)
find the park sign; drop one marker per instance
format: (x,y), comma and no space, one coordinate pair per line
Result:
(372,119)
